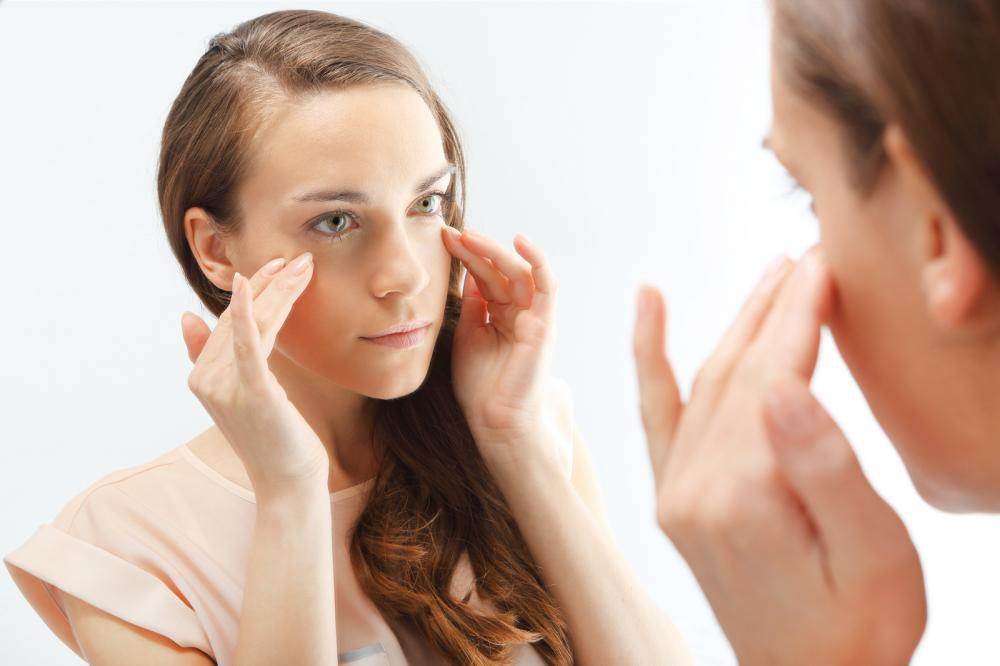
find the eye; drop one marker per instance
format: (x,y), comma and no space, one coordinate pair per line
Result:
(339,223)
(430,204)
(796,189)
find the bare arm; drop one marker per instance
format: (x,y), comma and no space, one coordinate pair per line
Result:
(611,618)
(288,604)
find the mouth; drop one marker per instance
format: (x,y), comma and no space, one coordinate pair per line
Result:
(407,334)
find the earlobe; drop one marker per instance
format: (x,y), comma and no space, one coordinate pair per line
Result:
(209,250)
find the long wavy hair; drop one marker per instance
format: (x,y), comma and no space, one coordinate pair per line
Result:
(433,498)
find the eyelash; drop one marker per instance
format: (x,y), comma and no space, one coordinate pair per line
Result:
(794,187)
(446,199)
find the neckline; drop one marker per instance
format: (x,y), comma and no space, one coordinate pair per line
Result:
(248,494)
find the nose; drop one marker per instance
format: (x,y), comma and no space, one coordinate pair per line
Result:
(397,265)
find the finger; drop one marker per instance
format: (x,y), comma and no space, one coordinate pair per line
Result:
(659,397)
(492,284)
(714,375)
(855,526)
(789,337)
(250,362)
(196,333)
(279,296)
(541,274)
(216,346)
(513,267)
(473,313)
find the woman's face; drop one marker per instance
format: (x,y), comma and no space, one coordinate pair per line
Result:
(357,177)
(914,373)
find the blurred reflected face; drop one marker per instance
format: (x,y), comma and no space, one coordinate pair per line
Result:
(902,360)
(357,177)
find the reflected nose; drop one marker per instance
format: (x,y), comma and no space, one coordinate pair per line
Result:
(397,265)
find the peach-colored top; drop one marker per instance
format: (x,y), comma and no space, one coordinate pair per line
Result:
(164,545)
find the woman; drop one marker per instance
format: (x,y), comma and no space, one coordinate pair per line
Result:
(392,476)
(885,111)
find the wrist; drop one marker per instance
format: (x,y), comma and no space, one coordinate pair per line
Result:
(303,491)
(520,458)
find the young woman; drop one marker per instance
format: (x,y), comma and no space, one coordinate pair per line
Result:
(392,477)
(886,112)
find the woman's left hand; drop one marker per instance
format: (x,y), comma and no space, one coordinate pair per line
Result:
(502,347)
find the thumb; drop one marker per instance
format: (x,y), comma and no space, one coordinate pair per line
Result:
(196,333)
(660,404)
(857,529)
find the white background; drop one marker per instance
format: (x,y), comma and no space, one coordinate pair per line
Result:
(624,139)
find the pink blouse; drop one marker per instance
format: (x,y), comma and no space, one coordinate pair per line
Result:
(164,545)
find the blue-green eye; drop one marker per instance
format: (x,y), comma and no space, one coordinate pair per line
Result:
(339,223)
(429,204)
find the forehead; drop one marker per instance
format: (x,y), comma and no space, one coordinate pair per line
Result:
(367,137)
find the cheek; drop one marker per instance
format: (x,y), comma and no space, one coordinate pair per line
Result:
(879,326)
(322,327)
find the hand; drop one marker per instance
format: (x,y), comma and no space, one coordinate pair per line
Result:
(802,562)
(232,380)
(502,346)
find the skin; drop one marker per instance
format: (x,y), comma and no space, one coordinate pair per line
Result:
(758,488)
(391,264)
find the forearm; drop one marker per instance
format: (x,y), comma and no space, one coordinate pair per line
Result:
(288,603)
(611,618)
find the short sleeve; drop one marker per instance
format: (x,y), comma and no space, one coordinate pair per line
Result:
(99,551)
(562,418)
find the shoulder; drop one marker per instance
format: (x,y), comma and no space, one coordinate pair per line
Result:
(115,488)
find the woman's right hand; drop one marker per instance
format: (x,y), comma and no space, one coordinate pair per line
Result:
(231,378)
(801,560)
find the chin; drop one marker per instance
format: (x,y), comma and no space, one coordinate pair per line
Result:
(400,386)
(947,490)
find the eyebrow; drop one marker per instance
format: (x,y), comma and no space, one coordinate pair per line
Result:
(361,197)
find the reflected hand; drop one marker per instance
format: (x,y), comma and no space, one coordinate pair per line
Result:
(802,562)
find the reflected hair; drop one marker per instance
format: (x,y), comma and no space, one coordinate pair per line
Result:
(929,66)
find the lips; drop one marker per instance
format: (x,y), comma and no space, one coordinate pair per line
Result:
(407,334)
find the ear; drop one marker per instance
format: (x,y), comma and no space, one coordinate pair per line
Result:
(210,250)
(955,276)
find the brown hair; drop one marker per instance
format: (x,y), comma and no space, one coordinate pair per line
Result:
(929,66)
(433,497)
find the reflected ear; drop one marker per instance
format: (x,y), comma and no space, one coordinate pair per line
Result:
(209,249)
(955,277)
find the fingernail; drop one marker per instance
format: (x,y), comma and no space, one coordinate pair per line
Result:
(299,266)
(774,267)
(645,302)
(452,231)
(811,261)
(272,267)
(237,286)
